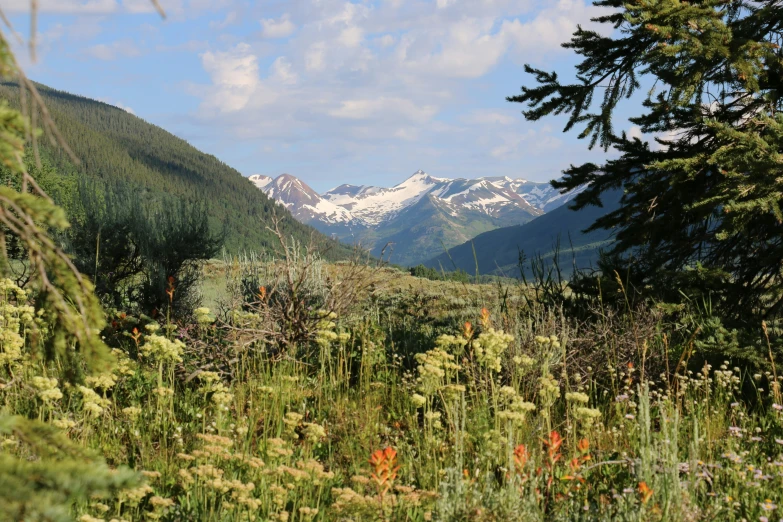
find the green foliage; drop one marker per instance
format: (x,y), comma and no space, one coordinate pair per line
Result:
(132,244)
(434,275)
(45,473)
(701,211)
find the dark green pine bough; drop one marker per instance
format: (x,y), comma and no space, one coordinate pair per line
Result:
(701,213)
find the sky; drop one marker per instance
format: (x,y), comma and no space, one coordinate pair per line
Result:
(331,91)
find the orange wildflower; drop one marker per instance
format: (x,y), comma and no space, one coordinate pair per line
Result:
(485,318)
(136,336)
(385,469)
(170,289)
(467,330)
(553,447)
(521,456)
(645,492)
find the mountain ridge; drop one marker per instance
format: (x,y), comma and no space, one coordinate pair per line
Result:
(497,251)
(419,215)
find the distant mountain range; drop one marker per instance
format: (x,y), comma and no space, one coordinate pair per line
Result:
(417,219)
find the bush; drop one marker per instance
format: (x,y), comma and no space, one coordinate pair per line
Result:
(137,249)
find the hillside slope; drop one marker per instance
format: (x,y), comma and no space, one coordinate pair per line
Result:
(497,251)
(116,146)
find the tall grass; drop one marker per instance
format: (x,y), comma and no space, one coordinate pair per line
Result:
(426,403)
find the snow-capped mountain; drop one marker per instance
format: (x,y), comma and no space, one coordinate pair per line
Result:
(302,201)
(494,196)
(419,215)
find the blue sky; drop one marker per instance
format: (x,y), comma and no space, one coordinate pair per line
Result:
(331,91)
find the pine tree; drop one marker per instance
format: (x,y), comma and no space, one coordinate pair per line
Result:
(702,209)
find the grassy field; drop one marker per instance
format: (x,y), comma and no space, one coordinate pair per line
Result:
(316,392)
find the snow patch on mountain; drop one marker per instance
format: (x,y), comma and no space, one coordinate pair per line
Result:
(305,204)
(367,206)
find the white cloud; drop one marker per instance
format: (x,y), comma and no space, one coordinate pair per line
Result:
(271,28)
(398,79)
(315,57)
(282,71)
(234,75)
(113,51)
(635,132)
(351,36)
(63,6)
(468,49)
(364,109)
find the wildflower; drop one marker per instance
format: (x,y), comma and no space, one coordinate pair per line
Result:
(151,327)
(131,412)
(99,506)
(435,367)
(292,420)
(308,513)
(577,397)
(645,492)
(314,432)
(202,316)
(103,381)
(777,407)
(418,400)
(523,360)
(64,424)
(767,505)
(550,341)
(552,445)
(385,469)
(163,349)
(451,343)
(47,389)
(587,415)
(163,391)
(549,389)
(521,457)
(484,320)
(135,495)
(92,402)
(508,391)
(467,330)
(489,346)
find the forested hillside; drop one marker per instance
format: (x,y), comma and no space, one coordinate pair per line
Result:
(116,146)
(497,251)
